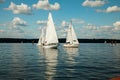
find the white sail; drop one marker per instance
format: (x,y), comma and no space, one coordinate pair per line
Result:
(71,40)
(74,37)
(71,36)
(51,36)
(41,38)
(71,54)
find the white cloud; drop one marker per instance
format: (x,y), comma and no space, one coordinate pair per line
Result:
(62,31)
(117,25)
(19,9)
(18,22)
(45,5)
(94,31)
(106,28)
(14,23)
(91,27)
(41,22)
(1,31)
(16,33)
(77,21)
(110,9)
(93,3)
(74,21)
(13,28)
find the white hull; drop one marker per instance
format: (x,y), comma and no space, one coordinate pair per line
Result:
(39,45)
(52,46)
(71,45)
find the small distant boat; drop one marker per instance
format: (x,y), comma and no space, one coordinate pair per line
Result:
(71,41)
(105,41)
(49,39)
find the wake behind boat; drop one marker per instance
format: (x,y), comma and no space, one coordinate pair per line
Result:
(71,41)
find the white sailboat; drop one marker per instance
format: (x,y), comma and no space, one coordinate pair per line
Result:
(71,40)
(41,38)
(51,39)
(105,41)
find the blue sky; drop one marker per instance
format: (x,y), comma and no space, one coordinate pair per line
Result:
(91,18)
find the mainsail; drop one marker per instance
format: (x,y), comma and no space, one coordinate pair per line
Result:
(71,36)
(41,38)
(51,36)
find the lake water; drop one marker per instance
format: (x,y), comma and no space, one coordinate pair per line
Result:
(91,61)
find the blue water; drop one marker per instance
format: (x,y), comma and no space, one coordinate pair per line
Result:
(24,61)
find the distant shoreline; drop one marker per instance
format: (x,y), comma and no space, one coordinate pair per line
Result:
(61,40)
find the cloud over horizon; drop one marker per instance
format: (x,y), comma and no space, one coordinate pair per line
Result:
(77,21)
(93,3)
(45,5)
(110,9)
(117,25)
(18,22)
(14,28)
(19,9)
(39,22)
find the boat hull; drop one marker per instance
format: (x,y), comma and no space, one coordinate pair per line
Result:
(40,46)
(71,45)
(52,46)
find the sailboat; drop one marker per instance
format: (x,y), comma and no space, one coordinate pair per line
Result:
(105,41)
(71,41)
(41,38)
(51,39)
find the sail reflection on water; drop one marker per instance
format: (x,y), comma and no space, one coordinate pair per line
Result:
(71,54)
(71,63)
(50,56)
